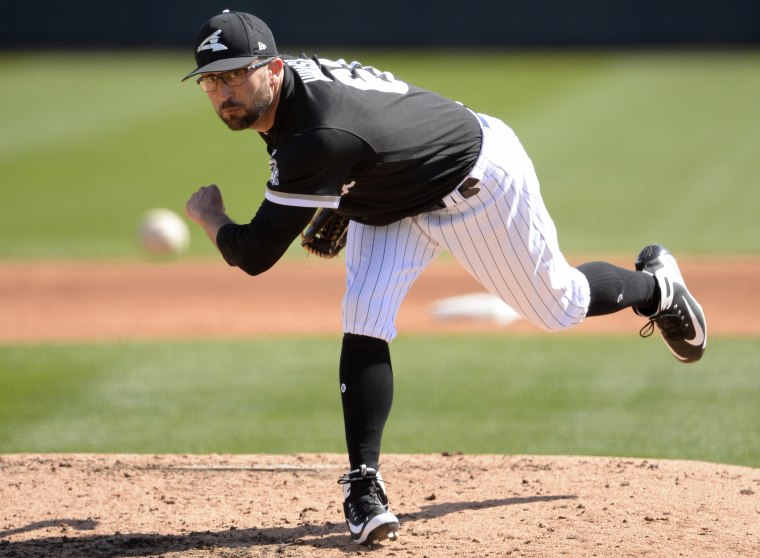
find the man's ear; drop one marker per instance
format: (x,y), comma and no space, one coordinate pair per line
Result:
(275,68)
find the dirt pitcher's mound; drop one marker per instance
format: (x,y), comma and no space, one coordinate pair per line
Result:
(459,505)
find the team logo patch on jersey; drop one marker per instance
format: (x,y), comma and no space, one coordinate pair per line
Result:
(274,179)
(212,42)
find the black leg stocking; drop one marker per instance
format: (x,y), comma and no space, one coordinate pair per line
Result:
(366,385)
(614,288)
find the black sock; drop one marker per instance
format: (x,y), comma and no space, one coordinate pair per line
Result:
(366,385)
(614,288)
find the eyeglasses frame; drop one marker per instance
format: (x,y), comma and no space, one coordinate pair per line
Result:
(216,77)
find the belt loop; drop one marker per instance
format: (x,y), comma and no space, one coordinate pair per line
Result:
(466,189)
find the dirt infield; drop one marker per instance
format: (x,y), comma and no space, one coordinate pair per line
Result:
(114,301)
(449,505)
(234,506)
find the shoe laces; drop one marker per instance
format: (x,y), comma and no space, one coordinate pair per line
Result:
(357,475)
(671,325)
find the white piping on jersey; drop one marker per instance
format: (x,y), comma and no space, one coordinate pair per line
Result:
(302,200)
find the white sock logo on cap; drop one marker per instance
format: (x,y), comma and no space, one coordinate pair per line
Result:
(212,42)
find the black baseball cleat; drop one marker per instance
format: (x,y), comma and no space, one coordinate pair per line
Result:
(678,316)
(365,505)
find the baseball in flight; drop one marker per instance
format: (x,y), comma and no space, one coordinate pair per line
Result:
(162,232)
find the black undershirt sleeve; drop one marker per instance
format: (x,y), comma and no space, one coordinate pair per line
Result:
(257,246)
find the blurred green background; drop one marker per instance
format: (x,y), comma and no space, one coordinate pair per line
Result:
(511,394)
(630,147)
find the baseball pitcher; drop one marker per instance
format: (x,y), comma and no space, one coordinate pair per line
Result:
(390,175)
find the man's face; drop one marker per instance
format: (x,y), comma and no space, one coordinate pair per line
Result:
(241,106)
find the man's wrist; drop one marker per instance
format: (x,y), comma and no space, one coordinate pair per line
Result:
(211,223)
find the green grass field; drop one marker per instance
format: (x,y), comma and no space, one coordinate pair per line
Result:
(492,394)
(630,148)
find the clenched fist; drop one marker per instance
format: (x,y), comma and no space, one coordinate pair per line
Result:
(206,208)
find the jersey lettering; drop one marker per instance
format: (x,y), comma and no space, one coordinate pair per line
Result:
(365,78)
(354,75)
(307,69)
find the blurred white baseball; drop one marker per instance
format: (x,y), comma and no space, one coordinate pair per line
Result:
(163,233)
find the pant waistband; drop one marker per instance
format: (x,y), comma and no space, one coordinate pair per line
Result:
(469,186)
(483,122)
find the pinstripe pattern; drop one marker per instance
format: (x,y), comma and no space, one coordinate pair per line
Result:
(381,265)
(503,236)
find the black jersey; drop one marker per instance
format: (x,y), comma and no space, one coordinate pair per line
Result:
(365,144)
(358,141)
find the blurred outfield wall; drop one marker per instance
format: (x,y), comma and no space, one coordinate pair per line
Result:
(438,23)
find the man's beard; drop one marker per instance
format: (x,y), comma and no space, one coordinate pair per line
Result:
(251,115)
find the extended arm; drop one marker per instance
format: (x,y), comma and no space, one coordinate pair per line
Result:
(253,247)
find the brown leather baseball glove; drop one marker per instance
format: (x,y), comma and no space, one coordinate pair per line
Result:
(326,233)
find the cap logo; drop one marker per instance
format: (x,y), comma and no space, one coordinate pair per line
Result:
(262,46)
(212,42)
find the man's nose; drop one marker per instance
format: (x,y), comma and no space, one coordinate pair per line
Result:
(225,91)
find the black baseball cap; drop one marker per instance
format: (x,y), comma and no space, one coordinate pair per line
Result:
(231,40)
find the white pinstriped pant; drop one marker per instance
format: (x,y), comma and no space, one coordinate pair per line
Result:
(503,236)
